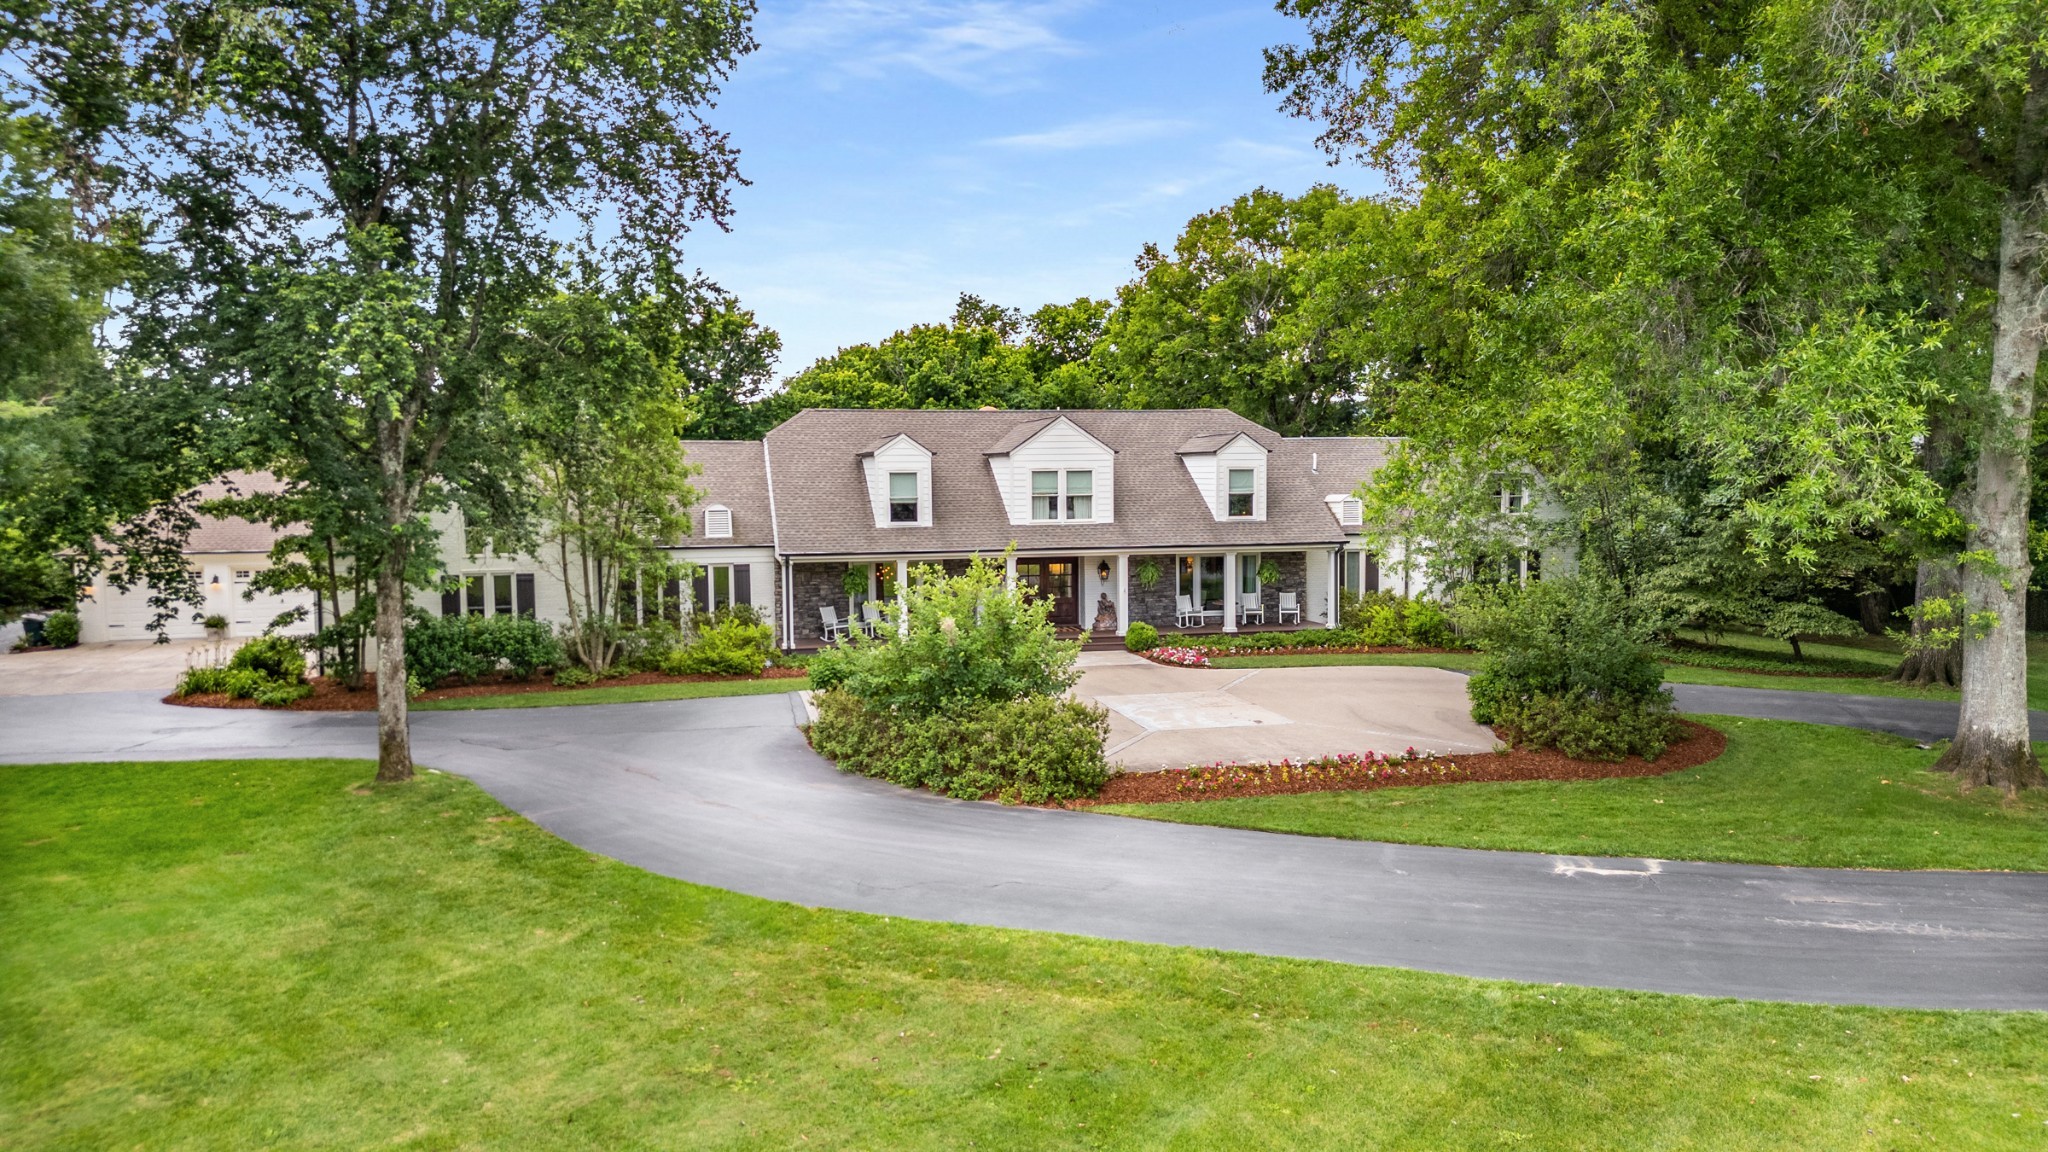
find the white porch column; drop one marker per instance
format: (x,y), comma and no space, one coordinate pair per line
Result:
(1123,593)
(1336,587)
(1010,572)
(902,597)
(1230,593)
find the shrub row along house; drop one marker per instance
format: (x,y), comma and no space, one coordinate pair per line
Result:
(1182,519)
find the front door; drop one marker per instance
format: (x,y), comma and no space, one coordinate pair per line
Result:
(1054,580)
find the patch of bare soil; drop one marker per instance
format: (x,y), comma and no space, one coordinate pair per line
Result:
(1697,746)
(330,695)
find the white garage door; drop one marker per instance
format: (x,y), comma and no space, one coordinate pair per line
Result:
(126,615)
(252,615)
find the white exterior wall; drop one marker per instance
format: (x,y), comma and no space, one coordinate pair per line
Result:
(110,614)
(899,455)
(762,569)
(1211,473)
(1059,447)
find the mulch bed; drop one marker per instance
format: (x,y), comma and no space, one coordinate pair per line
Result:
(1232,781)
(1355,650)
(331,695)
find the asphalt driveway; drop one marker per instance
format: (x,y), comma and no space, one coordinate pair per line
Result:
(726,793)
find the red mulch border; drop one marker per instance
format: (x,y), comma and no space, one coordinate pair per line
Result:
(1699,745)
(330,695)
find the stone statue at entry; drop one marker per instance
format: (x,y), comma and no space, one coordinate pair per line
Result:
(1105,614)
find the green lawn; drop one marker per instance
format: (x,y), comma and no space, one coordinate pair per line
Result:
(1879,661)
(1783,793)
(616,694)
(263,954)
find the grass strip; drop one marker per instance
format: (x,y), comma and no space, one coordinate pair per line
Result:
(276,954)
(1783,793)
(616,694)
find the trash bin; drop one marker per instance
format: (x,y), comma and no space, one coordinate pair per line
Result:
(32,626)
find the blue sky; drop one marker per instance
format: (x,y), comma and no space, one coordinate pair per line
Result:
(905,151)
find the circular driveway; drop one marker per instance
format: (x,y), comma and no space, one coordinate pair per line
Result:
(726,793)
(1162,717)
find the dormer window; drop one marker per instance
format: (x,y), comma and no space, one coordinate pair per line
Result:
(902,497)
(1080,495)
(1513,499)
(1068,495)
(718,522)
(1242,486)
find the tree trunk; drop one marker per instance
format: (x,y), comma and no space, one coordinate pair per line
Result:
(394,735)
(1926,667)
(1797,653)
(1992,745)
(1873,609)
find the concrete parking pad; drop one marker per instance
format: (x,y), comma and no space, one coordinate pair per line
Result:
(1163,717)
(117,666)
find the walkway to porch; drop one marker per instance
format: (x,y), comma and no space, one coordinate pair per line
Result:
(1112,640)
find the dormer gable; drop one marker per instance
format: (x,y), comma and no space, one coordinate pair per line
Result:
(1229,470)
(898,473)
(1053,471)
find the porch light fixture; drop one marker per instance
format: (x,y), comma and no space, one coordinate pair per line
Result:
(213,585)
(1102,571)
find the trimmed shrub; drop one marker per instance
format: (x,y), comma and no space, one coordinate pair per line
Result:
(1141,637)
(1562,669)
(1426,626)
(731,647)
(1588,729)
(272,657)
(1032,750)
(573,677)
(471,647)
(60,630)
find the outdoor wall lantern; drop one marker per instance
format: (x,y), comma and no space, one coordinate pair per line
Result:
(213,585)
(1102,571)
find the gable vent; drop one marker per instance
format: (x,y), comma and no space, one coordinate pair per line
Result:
(1350,510)
(718,522)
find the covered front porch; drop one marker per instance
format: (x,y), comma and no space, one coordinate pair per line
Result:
(1097,594)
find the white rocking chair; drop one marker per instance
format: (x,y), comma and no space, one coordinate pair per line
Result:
(829,624)
(871,618)
(1290,605)
(1186,615)
(1253,604)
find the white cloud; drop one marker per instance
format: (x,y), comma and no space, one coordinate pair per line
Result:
(986,45)
(1104,132)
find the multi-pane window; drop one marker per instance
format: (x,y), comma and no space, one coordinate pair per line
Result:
(1080,495)
(1247,574)
(489,594)
(501,594)
(1240,492)
(1076,501)
(1045,495)
(1513,499)
(473,592)
(902,497)
(1354,582)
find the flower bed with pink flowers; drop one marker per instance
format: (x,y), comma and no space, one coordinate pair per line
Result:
(1180,657)
(1360,771)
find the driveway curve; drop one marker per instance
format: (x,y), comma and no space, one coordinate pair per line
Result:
(726,793)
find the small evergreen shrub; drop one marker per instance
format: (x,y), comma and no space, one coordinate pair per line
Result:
(1562,669)
(733,646)
(1141,637)
(275,694)
(1032,750)
(574,677)
(60,630)
(272,657)
(472,647)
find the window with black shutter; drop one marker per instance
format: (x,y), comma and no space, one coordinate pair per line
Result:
(743,583)
(523,593)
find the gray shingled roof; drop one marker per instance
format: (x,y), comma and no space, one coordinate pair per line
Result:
(1326,466)
(735,475)
(213,534)
(822,509)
